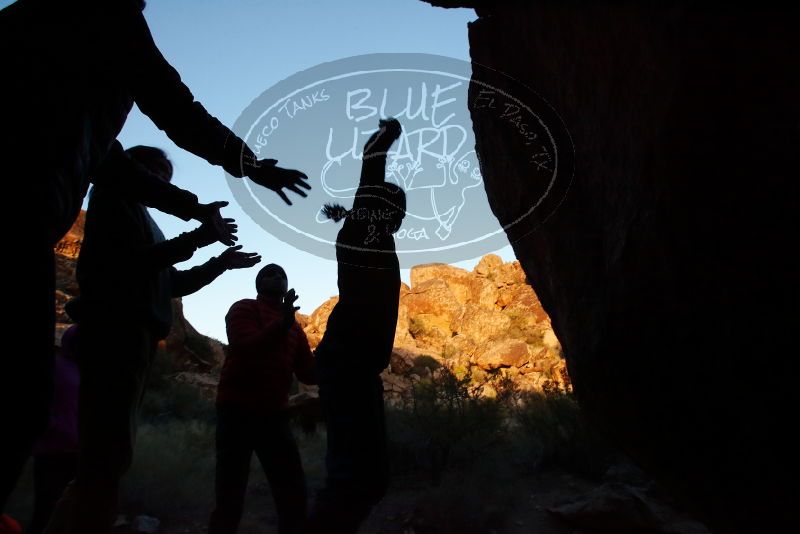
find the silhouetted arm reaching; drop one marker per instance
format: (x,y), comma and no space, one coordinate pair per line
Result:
(192,280)
(375,201)
(162,96)
(117,224)
(373,167)
(133,181)
(266,174)
(166,253)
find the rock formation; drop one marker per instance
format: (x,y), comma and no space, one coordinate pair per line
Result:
(66,260)
(486,322)
(669,268)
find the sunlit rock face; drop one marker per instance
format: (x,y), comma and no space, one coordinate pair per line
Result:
(487,322)
(669,270)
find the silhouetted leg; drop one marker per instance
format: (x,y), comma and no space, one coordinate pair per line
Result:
(356,456)
(234,450)
(51,475)
(114,360)
(26,377)
(277,451)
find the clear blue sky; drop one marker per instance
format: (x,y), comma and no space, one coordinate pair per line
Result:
(230,51)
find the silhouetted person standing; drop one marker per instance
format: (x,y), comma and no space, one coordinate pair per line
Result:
(266,348)
(71,71)
(127,284)
(358,343)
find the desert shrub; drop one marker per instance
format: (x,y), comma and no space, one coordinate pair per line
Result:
(177,401)
(166,398)
(421,363)
(172,471)
(201,346)
(550,430)
(507,392)
(446,425)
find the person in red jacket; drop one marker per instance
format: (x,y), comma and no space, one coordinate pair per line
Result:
(266,348)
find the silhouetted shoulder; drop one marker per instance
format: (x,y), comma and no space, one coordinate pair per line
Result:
(243,305)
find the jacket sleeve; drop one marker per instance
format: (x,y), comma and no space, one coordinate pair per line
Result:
(192,280)
(162,96)
(164,255)
(135,182)
(303,359)
(247,333)
(116,234)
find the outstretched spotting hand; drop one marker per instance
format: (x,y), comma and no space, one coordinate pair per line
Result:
(288,308)
(215,227)
(267,174)
(233,258)
(379,143)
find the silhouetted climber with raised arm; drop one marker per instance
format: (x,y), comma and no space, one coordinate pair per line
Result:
(71,71)
(127,284)
(266,347)
(358,343)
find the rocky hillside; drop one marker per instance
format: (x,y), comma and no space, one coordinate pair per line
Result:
(66,259)
(192,351)
(485,322)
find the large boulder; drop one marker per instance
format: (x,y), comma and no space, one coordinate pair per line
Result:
(464,286)
(429,308)
(504,353)
(481,324)
(432,297)
(488,264)
(318,321)
(428,330)
(667,265)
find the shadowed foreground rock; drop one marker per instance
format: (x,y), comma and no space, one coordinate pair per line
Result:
(669,270)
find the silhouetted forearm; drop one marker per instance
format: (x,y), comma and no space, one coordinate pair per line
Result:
(115,234)
(373,170)
(134,182)
(194,279)
(167,253)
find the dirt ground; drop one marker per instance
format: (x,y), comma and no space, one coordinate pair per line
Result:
(413,507)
